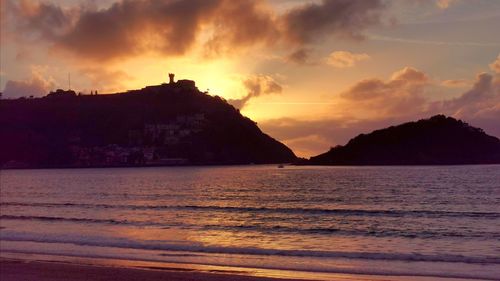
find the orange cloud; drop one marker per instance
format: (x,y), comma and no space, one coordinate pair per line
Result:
(256,86)
(131,28)
(344,59)
(495,66)
(455,83)
(171,28)
(484,94)
(36,85)
(104,80)
(401,94)
(398,99)
(444,4)
(410,75)
(242,24)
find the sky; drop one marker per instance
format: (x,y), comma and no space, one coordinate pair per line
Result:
(311,73)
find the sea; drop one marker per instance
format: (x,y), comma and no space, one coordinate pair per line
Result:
(427,221)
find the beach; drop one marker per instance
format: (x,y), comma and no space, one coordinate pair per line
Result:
(13,270)
(309,223)
(31,270)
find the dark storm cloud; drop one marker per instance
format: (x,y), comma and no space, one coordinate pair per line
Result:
(173,27)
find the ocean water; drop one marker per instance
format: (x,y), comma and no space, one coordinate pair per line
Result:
(438,221)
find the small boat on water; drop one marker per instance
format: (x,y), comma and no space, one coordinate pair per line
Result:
(281,166)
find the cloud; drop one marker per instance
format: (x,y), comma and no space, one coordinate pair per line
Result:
(480,105)
(306,24)
(256,86)
(484,95)
(106,80)
(401,98)
(134,27)
(433,42)
(455,83)
(402,93)
(410,75)
(34,20)
(407,93)
(37,85)
(126,28)
(299,56)
(23,55)
(242,24)
(495,66)
(343,59)
(444,4)
(340,18)
(171,28)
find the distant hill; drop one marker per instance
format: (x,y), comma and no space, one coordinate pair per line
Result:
(168,124)
(439,140)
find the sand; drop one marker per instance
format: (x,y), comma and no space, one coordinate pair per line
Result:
(40,270)
(15,270)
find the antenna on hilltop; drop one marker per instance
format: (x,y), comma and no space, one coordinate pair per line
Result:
(69,81)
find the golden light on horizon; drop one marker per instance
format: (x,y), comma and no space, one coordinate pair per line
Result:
(220,77)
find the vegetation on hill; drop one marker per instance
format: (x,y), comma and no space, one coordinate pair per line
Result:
(157,125)
(439,140)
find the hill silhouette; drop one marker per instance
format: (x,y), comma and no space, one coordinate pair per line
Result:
(439,140)
(168,124)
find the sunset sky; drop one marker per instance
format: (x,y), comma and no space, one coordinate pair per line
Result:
(312,74)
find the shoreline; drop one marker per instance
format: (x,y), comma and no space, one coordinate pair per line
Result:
(39,267)
(14,269)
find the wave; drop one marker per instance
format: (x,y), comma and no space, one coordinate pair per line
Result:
(423,234)
(162,246)
(85,220)
(468,272)
(321,211)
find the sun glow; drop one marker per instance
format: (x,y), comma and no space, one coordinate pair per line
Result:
(220,77)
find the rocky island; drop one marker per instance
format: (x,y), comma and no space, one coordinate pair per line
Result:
(439,140)
(169,124)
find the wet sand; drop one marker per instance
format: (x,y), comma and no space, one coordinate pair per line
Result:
(36,270)
(14,270)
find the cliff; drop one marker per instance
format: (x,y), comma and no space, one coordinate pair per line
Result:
(439,140)
(168,124)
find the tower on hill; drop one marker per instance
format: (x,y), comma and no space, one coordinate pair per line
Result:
(171,76)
